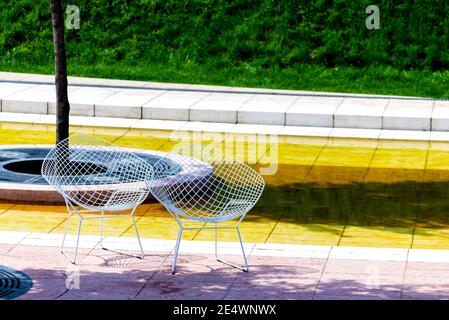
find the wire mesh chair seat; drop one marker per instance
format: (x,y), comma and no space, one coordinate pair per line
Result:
(119,198)
(228,191)
(93,175)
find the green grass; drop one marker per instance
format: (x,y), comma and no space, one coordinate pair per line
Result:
(318,45)
(372,80)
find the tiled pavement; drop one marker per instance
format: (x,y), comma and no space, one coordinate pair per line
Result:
(35,94)
(309,272)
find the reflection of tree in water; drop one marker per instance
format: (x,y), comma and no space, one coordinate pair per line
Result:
(390,197)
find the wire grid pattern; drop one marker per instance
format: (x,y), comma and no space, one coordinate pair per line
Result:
(229,190)
(96,174)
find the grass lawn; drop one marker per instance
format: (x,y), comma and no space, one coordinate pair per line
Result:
(295,44)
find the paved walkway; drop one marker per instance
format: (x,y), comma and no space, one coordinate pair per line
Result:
(178,105)
(276,272)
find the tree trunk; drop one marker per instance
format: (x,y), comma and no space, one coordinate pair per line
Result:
(62,100)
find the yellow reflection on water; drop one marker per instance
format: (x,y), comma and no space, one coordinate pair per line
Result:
(328,191)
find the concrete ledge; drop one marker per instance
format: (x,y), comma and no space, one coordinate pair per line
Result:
(440,116)
(408,115)
(214,127)
(172,105)
(25,106)
(114,111)
(218,107)
(136,100)
(265,110)
(76,109)
(312,111)
(360,113)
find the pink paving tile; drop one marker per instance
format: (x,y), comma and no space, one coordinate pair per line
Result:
(120,261)
(428,266)
(50,257)
(286,261)
(45,289)
(181,295)
(429,279)
(388,286)
(195,277)
(439,273)
(178,290)
(5,248)
(95,284)
(166,285)
(103,277)
(280,271)
(189,264)
(21,263)
(274,286)
(37,273)
(83,295)
(420,286)
(424,296)
(425,290)
(365,267)
(248,295)
(356,296)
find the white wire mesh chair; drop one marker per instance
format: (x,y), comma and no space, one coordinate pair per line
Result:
(94,175)
(227,191)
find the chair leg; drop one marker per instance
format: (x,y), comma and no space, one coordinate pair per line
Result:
(216,241)
(142,255)
(138,238)
(101,230)
(175,254)
(66,231)
(101,237)
(77,239)
(245,267)
(77,242)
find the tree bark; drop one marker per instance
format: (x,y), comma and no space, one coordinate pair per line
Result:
(62,100)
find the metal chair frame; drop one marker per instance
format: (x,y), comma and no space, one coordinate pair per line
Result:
(181,228)
(236,187)
(87,193)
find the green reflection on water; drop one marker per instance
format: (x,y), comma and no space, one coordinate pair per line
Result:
(342,195)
